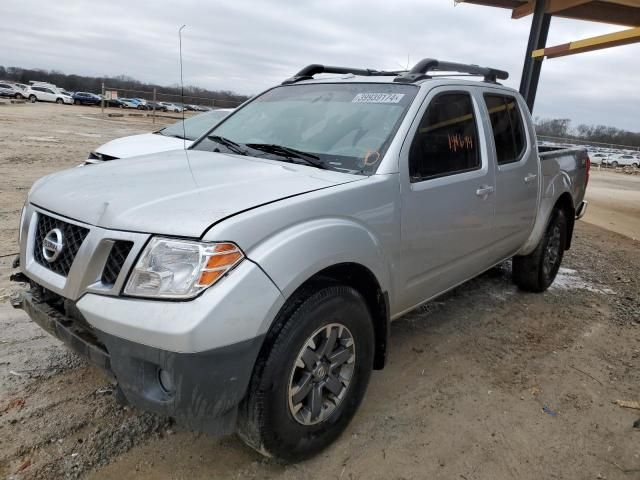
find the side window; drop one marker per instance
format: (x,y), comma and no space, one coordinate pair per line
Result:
(48,90)
(507,126)
(447,139)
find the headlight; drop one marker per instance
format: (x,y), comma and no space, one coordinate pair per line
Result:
(170,268)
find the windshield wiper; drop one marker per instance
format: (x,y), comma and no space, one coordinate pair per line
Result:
(230,144)
(290,153)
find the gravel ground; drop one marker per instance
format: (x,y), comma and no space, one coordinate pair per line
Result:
(484,383)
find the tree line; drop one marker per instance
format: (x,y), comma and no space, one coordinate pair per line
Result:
(83,83)
(561,127)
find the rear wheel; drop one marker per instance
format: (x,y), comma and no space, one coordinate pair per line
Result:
(19,96)
(634,165)
(33,98)
(614,164)
(309,383)
(535,272)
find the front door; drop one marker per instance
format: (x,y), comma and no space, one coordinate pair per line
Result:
(448,197)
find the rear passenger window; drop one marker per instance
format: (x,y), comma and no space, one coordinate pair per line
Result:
(508,129)
(447,139)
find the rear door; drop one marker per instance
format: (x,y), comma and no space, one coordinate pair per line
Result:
(447,188)
(517,171)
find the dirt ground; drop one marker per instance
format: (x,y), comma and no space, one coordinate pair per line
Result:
(484,383)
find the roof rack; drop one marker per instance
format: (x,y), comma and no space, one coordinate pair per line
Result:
(420,71)
(309,71)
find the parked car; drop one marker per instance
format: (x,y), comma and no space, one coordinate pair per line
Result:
(114,102)
(86,98)
(141,102)
(129,102)
(37,93)
(249,283)
(169,138)
(11,90)
(623,160)
(172,107)
(150,105)
(598,158)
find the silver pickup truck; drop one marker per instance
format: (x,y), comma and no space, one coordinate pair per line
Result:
(248,283)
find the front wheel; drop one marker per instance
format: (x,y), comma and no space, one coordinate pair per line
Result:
(614,164)
(309,382)
(19,96)
(59,101)
(537,271)
(33,98)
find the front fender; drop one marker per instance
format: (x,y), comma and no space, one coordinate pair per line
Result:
(292,256)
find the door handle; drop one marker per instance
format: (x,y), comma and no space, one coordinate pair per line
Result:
(530,178)
(484,190)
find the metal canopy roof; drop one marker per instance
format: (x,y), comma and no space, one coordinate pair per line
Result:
(618,12)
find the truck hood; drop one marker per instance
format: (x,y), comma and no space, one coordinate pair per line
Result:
(144,144)
(177,192)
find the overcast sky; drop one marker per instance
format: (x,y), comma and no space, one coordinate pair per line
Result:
(248,45)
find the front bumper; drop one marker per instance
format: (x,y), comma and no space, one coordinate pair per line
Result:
(205,387)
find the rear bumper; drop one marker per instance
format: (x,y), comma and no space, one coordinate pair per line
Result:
(200,390)
(582,209)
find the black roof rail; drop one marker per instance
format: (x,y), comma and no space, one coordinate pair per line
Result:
(420,71)
(309,71)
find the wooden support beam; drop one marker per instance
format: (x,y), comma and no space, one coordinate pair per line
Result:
(625,37)
(553,6)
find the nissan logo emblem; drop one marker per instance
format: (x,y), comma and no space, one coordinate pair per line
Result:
(52,245)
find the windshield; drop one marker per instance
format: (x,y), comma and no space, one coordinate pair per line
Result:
(345,126)
(194,127)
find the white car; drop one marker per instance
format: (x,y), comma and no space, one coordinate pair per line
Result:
(11,90)
(37,93)
(599,158)
(172,107)
(623,160)
(173,137)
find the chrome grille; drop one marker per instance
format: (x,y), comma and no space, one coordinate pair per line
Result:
(73,236)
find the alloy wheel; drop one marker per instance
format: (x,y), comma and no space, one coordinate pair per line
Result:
(552,252)
(321,374)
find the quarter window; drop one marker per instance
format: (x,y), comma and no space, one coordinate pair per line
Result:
(447,139)
(508,129)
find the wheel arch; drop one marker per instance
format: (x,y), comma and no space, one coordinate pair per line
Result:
(565,203)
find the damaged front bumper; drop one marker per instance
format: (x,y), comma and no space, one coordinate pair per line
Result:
(200,390)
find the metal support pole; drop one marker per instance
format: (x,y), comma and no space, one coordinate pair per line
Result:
(537,39)
(102,101)
(154,105)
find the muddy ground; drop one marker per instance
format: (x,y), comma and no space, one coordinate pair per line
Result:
(484,383)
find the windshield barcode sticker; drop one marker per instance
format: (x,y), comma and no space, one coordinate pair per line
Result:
(378,98)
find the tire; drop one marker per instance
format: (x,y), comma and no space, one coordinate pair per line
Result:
(270,420)
(33,98)
(76,102)
(634,164)
(59,101)
(537,271)
(140,107)
(614,164)
(19,96)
